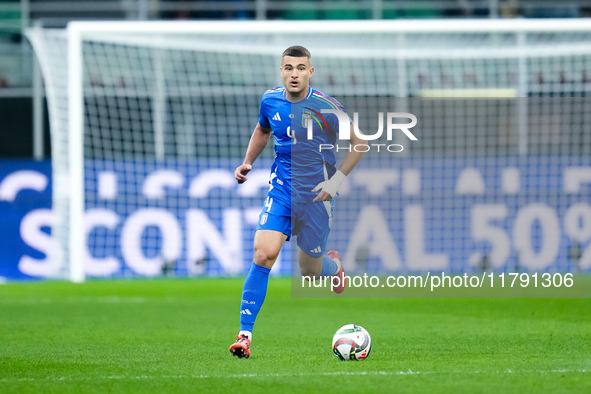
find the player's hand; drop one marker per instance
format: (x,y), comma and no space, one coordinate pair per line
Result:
(323,195)
(328,189)
(241,171)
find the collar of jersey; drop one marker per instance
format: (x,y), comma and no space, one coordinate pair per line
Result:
(310,90)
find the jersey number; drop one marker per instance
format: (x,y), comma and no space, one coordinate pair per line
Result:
(268,203)
(291,135)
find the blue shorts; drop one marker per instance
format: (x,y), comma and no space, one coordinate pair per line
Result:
(309,222)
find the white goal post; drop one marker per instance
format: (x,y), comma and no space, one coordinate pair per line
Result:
(138,78)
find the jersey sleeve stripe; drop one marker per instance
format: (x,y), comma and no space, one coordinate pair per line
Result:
(330,101)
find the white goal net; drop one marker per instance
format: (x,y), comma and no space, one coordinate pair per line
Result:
(149,120)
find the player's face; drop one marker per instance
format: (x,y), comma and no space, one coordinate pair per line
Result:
(296,73)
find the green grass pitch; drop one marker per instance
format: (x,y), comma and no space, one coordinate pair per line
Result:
(173,336)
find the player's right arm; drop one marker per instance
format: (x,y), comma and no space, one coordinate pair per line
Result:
(259,139)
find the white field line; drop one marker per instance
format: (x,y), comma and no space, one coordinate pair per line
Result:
(284,375)
(78,300)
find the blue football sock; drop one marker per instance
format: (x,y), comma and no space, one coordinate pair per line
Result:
(329,267)
(253,295)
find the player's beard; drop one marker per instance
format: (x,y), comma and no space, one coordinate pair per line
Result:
(296,91)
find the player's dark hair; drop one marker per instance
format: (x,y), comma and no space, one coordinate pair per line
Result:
(297,51)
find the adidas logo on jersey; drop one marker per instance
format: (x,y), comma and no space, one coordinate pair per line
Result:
(317,250)
(277,117)
(245,312)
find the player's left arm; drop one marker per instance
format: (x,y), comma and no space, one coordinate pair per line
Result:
(328,189)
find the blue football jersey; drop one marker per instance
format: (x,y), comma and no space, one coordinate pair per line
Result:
(300,164)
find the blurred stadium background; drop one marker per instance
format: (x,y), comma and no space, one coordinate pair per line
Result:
(17,70)
(498,179)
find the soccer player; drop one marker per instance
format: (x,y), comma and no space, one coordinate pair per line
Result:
(304,179)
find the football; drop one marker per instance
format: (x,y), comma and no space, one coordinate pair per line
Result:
(351,342)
